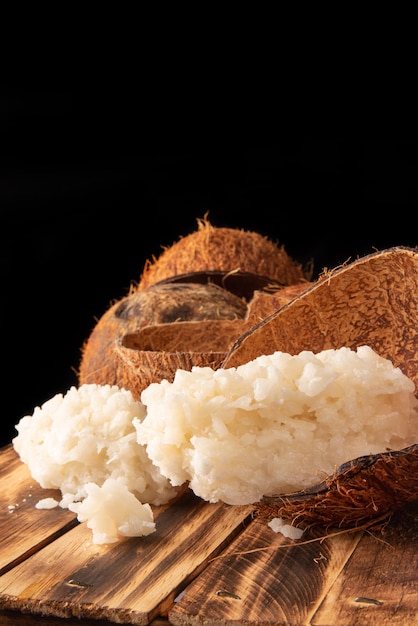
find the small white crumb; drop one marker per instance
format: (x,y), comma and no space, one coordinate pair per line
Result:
(278,525)
(46,503)
(112,511)
(11,508)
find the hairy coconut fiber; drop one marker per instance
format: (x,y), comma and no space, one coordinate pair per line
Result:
(228,250)
(266,302)
(154,353)
(159,304)
(361,491)
(371,301)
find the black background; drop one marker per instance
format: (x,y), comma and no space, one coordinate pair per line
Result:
(91,186)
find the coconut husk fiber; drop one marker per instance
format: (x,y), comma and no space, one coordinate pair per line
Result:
(371,301)
(212,273)
(227,250)
(242,284)
(359,492)
(265,302)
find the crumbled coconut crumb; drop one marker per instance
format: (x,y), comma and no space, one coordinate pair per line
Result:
(278,525)
(47,503)
(112,512)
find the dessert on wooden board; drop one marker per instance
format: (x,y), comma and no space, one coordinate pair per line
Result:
(245,381)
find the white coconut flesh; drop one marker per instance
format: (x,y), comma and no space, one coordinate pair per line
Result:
(84,443)
(277,424)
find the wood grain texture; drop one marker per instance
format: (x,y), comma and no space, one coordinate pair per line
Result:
(23,528)
(132,581)
(14,618)
(265,579)
(207,564)
(379,585)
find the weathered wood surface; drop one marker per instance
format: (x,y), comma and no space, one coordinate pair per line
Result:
(349,579)
(23,528)
(263,578)
(205,564)
(132,581)
(379,584)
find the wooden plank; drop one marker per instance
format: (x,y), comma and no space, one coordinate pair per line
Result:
(9,460)
(265,578)
(379,585)
(23,528)
(13,618)
(50,567)
(133,581)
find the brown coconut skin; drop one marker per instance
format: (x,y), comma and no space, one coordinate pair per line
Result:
(372,301)
(210,274)
(222,249)
(266,302)
(160,304)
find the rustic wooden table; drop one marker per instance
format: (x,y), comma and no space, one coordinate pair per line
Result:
(205,564)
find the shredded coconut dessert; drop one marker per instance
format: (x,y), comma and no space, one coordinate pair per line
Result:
(80,441)
(276,424)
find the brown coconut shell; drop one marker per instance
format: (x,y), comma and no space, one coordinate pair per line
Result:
(162,303)
(265,303)
(371,301)
(154,353)
(242,284)
(228,250)
(359,492)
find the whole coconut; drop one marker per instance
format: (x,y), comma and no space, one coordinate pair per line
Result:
(229,250)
